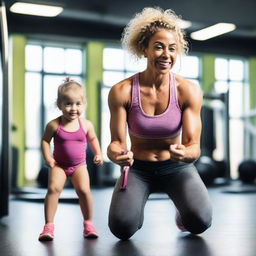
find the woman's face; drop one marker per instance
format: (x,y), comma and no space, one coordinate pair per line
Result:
(162,51)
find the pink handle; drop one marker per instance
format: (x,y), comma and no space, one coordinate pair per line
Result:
(125,177)
(125,172)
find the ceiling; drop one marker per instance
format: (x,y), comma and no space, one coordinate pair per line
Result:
(105,20)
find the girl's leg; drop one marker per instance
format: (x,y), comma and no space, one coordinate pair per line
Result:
(191,199)
(56,182)
(81,183)
(126,212)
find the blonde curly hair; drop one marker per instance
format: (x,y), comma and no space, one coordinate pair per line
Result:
(145,24)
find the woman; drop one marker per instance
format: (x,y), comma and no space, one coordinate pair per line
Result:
(162,111)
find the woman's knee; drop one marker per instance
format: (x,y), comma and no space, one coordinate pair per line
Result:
(197,224)
(122,228)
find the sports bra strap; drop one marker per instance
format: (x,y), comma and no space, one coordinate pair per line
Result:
(173,88)
(135,90)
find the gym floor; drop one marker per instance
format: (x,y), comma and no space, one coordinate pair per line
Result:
(233,231)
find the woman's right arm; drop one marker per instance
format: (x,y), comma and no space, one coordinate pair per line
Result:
(118,100)
(45,143)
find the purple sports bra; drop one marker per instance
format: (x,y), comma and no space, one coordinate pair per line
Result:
(165,125)
(69,147)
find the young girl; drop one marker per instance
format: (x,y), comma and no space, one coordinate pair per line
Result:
(70,134)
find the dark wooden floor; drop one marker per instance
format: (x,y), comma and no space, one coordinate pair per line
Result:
(233,232)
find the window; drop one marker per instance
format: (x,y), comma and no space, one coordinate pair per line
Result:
(230,75)
(188,67)
(46,68)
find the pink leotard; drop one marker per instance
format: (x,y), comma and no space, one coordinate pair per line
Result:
(164,125)
(70,148)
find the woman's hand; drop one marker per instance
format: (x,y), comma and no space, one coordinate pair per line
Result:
(177,152)
(120,156)
(125,158)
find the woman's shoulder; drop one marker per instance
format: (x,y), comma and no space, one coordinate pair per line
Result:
(123,85)
(185,86)
(121,91)
(189,93)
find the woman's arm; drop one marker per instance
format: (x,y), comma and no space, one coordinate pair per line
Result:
(119,101)
(190,98)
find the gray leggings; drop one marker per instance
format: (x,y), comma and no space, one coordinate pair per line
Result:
(180,181)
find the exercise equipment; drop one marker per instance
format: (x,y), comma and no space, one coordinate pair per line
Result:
(207,169)
(208,138)
(125,174)
(247,171)
(208,145)
(5,110)
(221,167)
(214,105)
(125,178)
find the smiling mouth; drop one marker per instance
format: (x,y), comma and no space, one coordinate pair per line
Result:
(164,63)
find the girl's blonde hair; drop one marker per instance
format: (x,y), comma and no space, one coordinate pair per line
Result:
(65,86)
(145,24)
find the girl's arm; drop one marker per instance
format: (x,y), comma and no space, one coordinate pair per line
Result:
(45,143)
(93,143)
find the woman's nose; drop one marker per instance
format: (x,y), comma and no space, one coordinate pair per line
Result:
(165,53)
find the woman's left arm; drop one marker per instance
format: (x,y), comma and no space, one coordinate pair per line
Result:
(190,98)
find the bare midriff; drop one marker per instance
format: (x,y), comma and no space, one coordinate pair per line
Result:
(152,149)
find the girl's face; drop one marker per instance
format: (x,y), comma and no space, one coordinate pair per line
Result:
(162,51)
(72,104)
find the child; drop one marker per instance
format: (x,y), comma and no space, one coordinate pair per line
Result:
(70,134)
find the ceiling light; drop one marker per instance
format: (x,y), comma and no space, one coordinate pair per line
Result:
(212,31)
(36,9)
(185,24)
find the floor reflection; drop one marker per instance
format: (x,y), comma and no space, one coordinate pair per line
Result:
(126,248)
(188,244)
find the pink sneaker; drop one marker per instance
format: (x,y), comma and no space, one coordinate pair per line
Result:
(179,223)
(48,233)
(89,230)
